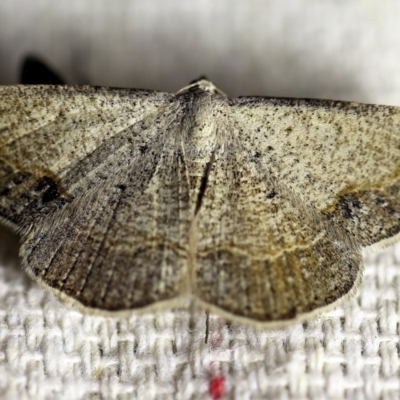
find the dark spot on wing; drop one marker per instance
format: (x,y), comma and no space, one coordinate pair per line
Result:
(348,204)
(49,187)
(271,194)
(143,149)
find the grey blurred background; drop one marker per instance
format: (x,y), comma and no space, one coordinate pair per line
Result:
(347,50)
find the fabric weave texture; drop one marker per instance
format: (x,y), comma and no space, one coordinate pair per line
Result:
(49,350)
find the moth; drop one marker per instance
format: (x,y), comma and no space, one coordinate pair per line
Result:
(255,208)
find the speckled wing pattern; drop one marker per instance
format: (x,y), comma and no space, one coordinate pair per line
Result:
(90,177)
(257,208)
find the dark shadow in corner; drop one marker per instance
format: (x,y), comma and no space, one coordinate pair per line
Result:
(35,72)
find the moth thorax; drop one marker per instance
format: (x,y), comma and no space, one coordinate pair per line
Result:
(199,149)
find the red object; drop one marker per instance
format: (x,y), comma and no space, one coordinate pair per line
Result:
(217,387)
